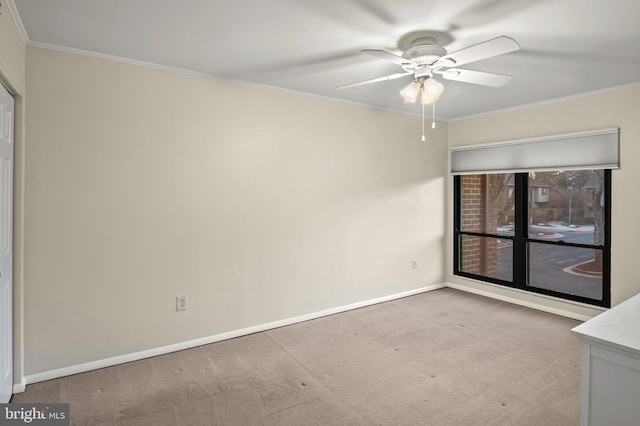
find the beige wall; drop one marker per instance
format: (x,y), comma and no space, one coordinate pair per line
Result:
(12,52)
(258,204)
(615,108)
(12,75)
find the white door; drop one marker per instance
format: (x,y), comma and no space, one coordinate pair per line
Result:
(6,244)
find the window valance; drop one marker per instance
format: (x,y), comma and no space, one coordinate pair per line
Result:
(587,150)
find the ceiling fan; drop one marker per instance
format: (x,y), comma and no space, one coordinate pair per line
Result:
(424,59)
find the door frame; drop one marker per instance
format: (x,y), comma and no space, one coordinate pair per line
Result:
(17,91)
(7,124)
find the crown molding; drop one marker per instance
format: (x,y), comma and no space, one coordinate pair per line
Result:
(549,101)
(17,20)
(160,67)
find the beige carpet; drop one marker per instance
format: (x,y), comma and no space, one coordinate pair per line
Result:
(439,358)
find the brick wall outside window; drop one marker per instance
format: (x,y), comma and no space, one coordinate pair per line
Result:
(479,214)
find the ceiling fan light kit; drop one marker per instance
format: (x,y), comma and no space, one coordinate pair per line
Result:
(431,91)
(428,88)
(410,93)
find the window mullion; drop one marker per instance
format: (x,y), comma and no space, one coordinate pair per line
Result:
(457,201)
(520,256)
(606,290)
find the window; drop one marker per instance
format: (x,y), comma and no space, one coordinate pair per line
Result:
(545,232)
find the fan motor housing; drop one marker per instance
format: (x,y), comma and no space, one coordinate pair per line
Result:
(424,55)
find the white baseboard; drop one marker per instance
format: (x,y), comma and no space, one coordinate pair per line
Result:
(121,359)
(528,304)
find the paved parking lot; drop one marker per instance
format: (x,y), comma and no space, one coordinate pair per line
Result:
(550,265)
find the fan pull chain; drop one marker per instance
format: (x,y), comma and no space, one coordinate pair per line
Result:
(423,138)
(433,116)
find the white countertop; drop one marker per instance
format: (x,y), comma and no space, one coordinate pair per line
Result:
(618,328)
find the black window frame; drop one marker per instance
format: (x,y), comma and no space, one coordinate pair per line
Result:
(521,241)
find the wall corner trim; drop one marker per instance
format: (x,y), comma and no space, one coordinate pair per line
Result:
(20,387)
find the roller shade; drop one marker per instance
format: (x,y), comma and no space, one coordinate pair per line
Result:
(588,150)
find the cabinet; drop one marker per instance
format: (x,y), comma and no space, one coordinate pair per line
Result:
(610,382)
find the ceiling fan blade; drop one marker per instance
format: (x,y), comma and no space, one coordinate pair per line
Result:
(375,80)
(475,77)
(487,49)
(388,56)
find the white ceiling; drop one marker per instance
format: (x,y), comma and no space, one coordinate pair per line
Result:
(568,47)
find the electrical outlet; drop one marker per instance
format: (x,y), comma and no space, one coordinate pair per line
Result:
(181,303)
(414,264)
